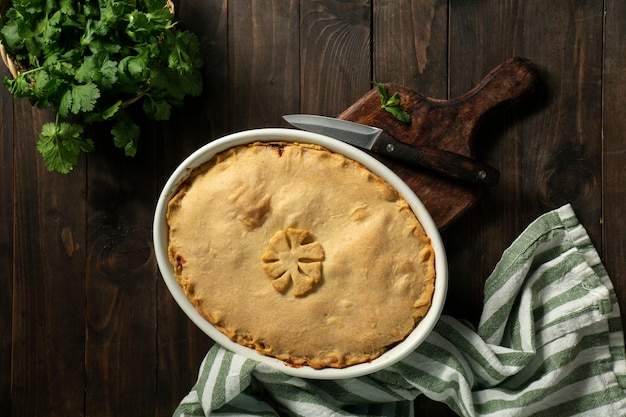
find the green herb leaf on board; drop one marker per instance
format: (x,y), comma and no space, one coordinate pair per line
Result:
(391,104)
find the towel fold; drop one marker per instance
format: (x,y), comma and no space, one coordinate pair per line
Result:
(549,343)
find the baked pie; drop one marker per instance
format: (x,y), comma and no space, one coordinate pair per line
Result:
(300,253)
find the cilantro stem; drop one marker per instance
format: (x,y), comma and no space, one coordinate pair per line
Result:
(30,71)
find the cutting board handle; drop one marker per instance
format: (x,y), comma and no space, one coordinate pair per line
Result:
(509,82)
(449,125)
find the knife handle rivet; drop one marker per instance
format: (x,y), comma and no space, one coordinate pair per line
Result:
(481,175)
(390,147)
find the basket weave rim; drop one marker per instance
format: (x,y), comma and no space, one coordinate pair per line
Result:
(8,61)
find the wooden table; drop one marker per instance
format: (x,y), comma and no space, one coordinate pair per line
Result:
(86,325)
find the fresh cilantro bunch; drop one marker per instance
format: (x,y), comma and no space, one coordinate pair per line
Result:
(89,60)
(391,104)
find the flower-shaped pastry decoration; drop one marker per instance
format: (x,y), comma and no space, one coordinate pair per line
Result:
(290,256)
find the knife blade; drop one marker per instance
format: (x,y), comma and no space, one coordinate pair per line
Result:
(374,139)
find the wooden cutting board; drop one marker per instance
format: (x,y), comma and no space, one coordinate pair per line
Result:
(445,124)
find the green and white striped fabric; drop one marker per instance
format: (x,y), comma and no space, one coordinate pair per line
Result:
(549,343)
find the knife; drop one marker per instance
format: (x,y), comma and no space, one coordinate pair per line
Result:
(371,138)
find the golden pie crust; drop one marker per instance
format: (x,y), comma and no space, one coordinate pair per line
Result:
(301,254)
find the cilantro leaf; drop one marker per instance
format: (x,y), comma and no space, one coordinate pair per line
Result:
(126,134)
(399,114)
(134,67)
(157,109)
(391,104)
(20,86)
(87,71)
(67,7)
(61,144)
(382,92)
(111,110)
(97,68)
(93,30)
(84,97)
(65,103)
(16,30)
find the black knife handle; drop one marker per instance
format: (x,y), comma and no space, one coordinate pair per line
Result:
(447,163)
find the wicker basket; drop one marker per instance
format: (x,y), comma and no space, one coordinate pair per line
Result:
(9,62)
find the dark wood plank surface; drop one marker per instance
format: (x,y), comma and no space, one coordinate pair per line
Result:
(86,325)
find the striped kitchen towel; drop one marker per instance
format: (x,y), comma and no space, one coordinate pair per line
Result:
(549,343)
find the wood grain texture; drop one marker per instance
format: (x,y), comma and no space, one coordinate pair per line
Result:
(335,54)
(6,247)
(120,354)
(563,152)
(48,279)
(410,45)
(614,148)
(88,328)
(263,62)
